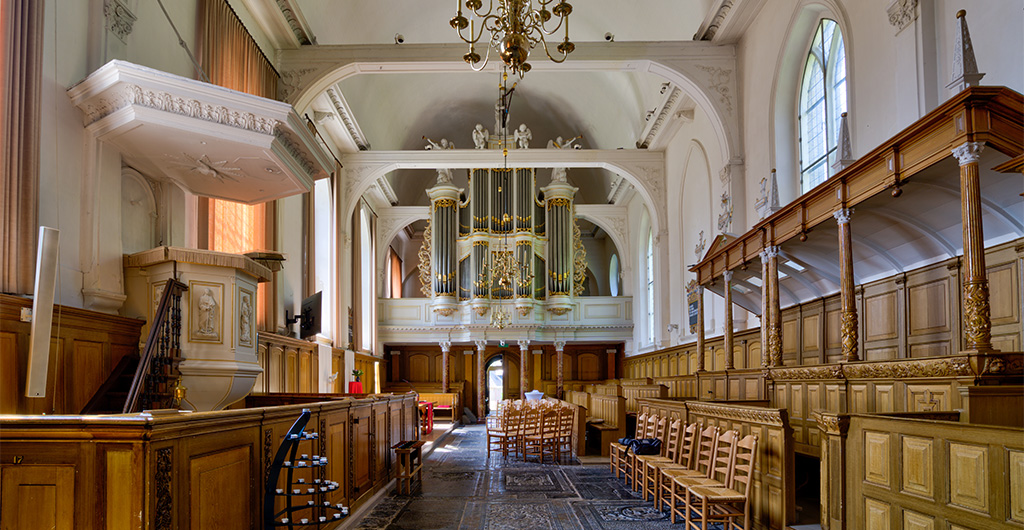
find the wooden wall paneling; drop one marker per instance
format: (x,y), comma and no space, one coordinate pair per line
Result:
(123,483)
(11,379)
(38,497)
(379,436)
(933,474)
(276,375)
(219,490)
(1004,277)
(361,451)
(419,367)
(790,338)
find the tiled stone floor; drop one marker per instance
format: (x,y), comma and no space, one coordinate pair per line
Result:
(463,490)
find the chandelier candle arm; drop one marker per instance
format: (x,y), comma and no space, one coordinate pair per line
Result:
(515,27)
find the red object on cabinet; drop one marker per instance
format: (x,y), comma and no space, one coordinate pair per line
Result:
(355,387)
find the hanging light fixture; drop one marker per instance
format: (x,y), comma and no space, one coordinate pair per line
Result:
(513,27)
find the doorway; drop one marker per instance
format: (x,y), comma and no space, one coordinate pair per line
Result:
(495,377)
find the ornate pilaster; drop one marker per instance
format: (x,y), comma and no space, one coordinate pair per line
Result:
(834,428)
(700,328)
(848,304)
(771,327)
(524,368)
(977,324)
(481,380)
(560,357)
(727,277)
(446,347)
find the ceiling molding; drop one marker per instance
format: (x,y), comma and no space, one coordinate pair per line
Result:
(671,95)
(728,20)
(282,22)
(341,108)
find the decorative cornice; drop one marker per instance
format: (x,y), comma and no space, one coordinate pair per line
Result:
(119,19)
(958,366)
(300,32)
(709,32)
(293,146)
(837,424)
(732,412)
(829,371)
(341,107)
(663,115)
(902,13)
(132,94)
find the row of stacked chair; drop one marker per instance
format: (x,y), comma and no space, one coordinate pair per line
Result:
(702,474)
(527,429)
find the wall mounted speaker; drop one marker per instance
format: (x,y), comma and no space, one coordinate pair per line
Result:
(42,312)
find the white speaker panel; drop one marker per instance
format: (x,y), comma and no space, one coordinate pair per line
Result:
(42,312)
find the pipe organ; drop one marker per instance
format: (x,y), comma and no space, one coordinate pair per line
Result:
(505,244)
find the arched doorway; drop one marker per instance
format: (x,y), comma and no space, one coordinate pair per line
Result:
(495,378)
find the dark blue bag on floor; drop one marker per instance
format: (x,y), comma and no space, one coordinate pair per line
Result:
(646,446)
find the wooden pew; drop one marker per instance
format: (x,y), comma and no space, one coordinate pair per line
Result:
(578,398)
(607,421)
(448,403)
(633,393)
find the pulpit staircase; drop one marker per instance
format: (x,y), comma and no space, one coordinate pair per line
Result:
(147,381)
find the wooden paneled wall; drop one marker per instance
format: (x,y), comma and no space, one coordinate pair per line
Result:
(773,491)
(199,470)
(922,474)
(422,363)
(84,347)
(915,314)
(289,365)
(368,364)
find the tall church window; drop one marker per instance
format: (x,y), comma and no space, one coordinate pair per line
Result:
(822,103)
(613,275)
(650,285)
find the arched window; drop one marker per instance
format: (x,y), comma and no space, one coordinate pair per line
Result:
(822,102)
(650,285)
(613,275)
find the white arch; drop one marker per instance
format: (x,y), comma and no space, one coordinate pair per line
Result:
(728,138)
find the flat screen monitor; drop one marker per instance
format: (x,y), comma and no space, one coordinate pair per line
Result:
(310,323)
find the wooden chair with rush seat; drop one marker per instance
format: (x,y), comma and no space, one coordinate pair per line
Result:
(719,476)
(699,465)
(725,504)
(669,450)
(617,451)
(654,429)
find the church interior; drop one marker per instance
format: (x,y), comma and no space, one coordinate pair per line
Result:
(472,251)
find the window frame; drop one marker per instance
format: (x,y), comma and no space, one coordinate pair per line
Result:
(829,66)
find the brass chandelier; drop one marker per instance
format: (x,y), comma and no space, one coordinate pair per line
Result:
(514,27)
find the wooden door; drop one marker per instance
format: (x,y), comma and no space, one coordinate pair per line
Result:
(361,450)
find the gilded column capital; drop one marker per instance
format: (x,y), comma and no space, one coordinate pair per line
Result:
(446,346)
(968,152)
(481,345)
(843,215)
(770,251)
(524,345)
(559,345)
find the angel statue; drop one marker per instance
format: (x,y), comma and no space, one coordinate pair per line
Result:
(558,143)
(444,175)
(434,145)
(480,136)
(523,136)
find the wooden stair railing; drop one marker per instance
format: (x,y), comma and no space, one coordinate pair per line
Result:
(158,365)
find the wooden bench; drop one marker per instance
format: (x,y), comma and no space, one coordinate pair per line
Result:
(578,398)
(447,403)
(607,420)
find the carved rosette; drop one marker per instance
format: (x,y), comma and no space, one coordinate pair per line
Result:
(849,334)
(268,453)
(977,324)
(445,311)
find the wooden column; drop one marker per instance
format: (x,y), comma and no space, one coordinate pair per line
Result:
(560,361)
(446,346)
(727,277)
(524,368)
(848,301)
(700,328)
(481,378)
(976,320)
(771,327)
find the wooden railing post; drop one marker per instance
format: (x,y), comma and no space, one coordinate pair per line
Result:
(834,428)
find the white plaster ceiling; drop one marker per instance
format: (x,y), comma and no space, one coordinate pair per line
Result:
(426,21)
